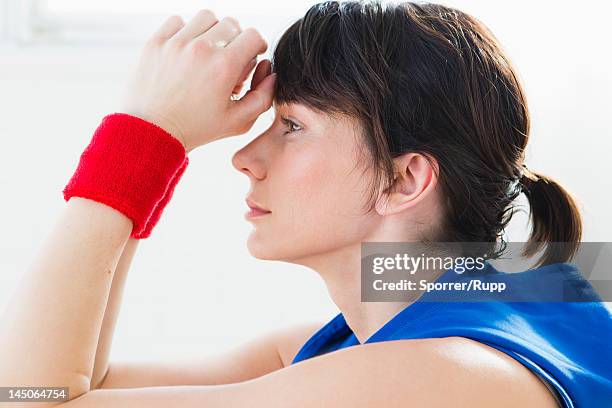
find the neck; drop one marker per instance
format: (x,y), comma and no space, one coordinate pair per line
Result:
(340,268)
(341,271)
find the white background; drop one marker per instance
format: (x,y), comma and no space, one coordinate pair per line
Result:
(193,288)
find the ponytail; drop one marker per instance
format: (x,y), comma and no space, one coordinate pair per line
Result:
(555,219)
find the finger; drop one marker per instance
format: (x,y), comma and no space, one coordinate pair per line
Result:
(236,91)
(200,23)
(170,27)
(245,75)
(222,33)
(257,100)
(247,70)
(261,72)
(246,46)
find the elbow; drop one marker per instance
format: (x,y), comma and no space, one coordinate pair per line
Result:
(97,384)
(77,385)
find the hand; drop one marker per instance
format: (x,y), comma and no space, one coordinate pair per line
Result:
(184,82)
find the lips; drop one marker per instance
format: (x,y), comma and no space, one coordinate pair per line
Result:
(254,206)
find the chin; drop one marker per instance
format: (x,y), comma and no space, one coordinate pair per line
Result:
(261,249)
(273,250)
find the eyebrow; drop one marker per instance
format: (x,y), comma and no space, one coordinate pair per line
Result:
(299,108)
(306,114)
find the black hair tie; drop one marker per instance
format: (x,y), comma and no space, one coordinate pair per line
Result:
(526,178)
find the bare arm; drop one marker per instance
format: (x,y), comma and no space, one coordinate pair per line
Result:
(255,358)
(111,313)
(441,372)
(61,299)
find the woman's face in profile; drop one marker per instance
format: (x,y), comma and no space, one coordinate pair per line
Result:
(307,169)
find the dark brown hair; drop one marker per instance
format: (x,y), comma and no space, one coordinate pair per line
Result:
(422,77)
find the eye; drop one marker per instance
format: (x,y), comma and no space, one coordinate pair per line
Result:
(291,125)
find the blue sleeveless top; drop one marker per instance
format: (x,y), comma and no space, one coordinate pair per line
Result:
(567,344)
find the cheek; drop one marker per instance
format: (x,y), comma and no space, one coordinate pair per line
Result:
(322,200)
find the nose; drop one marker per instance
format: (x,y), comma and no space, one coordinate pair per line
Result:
(244,161)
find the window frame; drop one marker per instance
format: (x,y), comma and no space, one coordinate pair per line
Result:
(27,22)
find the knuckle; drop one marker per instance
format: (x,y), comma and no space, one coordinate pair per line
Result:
(207,13)
(232,22)
(175,20)
(246,126)
(238,127)
(200,48)
(252,31)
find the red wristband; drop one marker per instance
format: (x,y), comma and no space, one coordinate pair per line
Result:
(131,165)
(159,208)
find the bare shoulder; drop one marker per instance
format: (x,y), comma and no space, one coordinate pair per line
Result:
(472,366)
(450,371)
(462,364)
(290,339)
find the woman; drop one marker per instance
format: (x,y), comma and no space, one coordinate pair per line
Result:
(396,123)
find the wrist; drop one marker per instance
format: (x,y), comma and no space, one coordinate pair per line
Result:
(132,165)
(163,122)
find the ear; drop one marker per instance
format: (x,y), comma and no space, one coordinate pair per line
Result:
(415,178)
